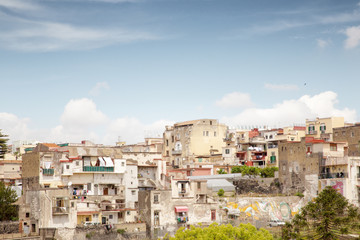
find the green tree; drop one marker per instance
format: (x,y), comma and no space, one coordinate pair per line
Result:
(3,146)
(328,217)
(221,171)
(223,232)
(7,197)
(221,192)
(268,172)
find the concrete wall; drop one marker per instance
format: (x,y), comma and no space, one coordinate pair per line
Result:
(281,208)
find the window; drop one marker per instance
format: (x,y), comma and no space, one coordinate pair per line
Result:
(156,198)
(89,186)
(67,166)
(156,218)
(33,227)
(128,212)
(207,133)
(72,204)
(213,215)
(122,164)
(133,192)
(199,185)
(77,163)
(172,138)
(352,134)
(46,185)
(322,128)
(227,151)
(27,214)
(214,134)
(167,142)
(210,122)
(110,216)
(333,147)
(87,204)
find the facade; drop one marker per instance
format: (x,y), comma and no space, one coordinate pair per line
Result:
(188,202)
(10,170)
(186,142)
(351,135)
(322,128)
(79,183)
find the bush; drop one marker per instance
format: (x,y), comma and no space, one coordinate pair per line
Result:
(221,192)
(268,172)
(299,194)
(121,231)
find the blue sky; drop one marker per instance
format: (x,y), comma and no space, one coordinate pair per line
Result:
(99,69)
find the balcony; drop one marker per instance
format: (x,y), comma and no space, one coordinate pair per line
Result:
(48,172)
(335,161)
(257,158)
(312,132)
(60,210)
(176,152)
(182,219)
(98,169)
(333,175)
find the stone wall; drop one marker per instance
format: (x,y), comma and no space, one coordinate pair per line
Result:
(258,185)
(9,227)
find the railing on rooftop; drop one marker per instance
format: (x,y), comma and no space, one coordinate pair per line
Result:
(98,169)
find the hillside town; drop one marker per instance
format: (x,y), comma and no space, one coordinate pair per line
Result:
(189,176)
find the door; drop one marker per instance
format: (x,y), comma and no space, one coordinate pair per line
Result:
(103,220)
(106,191)
(213,215)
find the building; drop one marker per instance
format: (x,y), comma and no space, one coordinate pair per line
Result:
(78,184)
(188,142)
(322,128)
(351,135)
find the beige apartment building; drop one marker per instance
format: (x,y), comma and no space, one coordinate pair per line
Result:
(188,142)
(322,128)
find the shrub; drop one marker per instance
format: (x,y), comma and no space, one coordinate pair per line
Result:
(121,231)
(221,192)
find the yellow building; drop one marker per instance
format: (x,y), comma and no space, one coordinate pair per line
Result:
(185,141)
(322,128)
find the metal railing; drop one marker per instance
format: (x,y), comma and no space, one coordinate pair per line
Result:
(333,175)
(98,169)
(48,172)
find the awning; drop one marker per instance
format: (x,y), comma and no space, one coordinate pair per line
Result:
(101,162)
(109,162)
(181,209)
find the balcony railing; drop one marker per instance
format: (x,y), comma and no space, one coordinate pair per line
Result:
(48,172)
(60,210)
(334,161)
(98,169)
(333,175)
(176,152)
(312,132)
(182,219)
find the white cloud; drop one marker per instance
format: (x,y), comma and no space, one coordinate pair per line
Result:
(95,91)
(235,100)
(322,43)
(293,111)
(353,37)
(13,126)
(51,36)
(281,87)
(19,5)
(82,113)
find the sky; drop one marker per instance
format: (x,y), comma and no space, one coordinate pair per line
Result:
(109,70)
